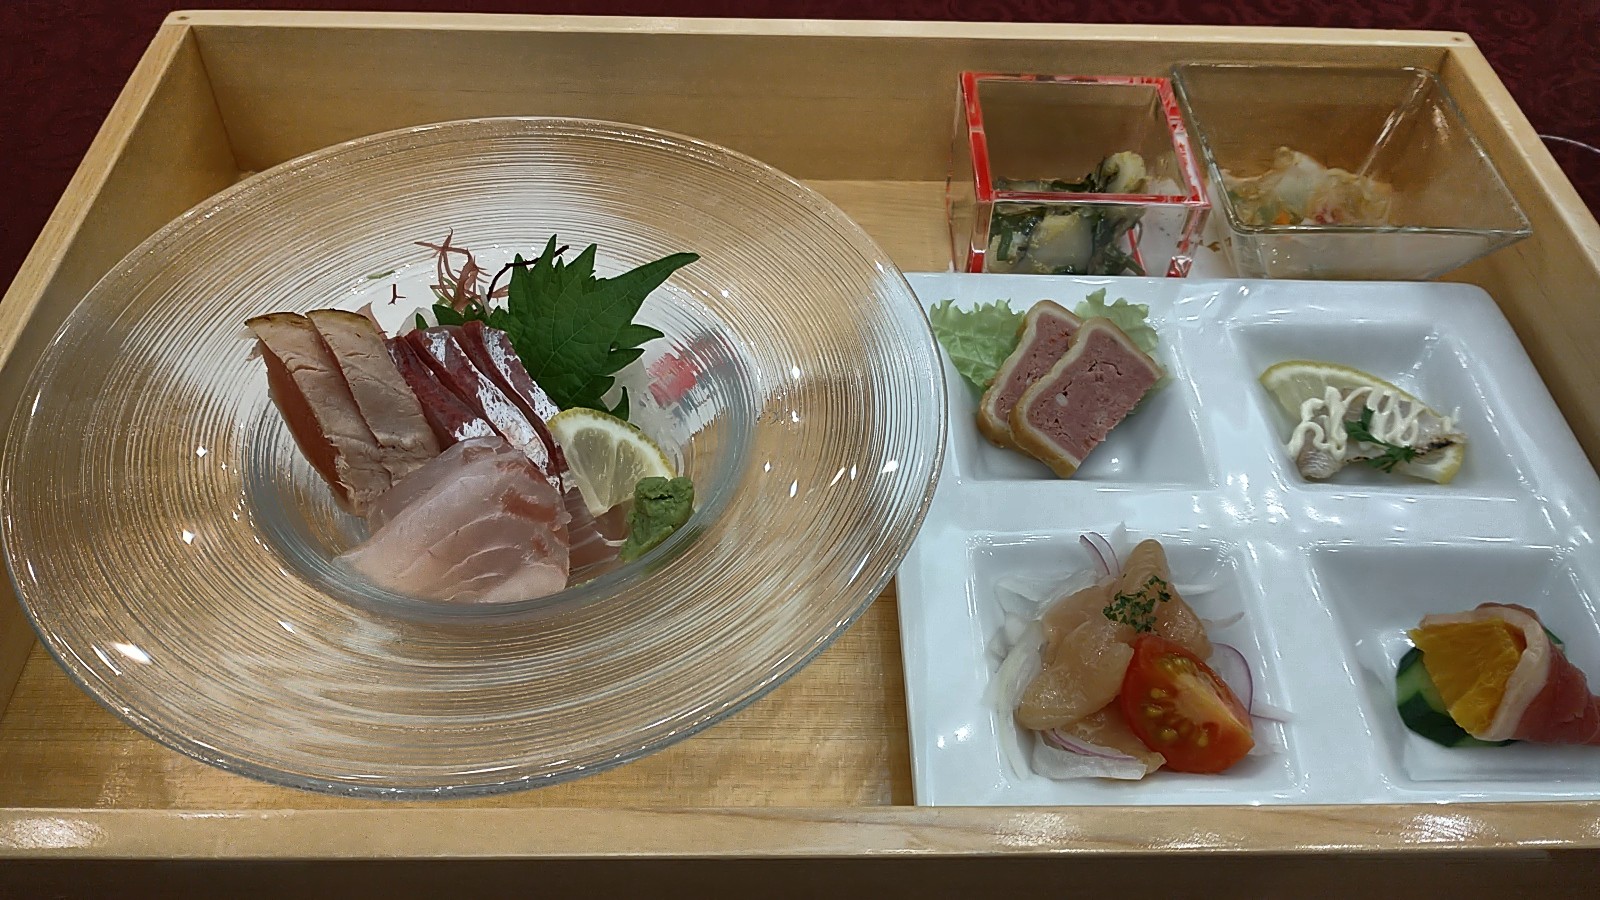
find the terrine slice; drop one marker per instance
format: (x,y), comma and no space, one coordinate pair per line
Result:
(1044,336)
(1072,407)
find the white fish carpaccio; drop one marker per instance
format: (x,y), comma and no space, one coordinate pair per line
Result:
(477,524)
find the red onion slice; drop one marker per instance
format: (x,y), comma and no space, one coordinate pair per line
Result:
(1102,568)
(1082,748)
(1102,548)
(1231,667)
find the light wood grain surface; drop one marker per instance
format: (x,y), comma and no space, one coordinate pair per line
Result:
(821,766)
(835,735)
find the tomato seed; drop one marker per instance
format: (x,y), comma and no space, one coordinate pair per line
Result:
(1167,735)
(1202,739)
(1152,710)
(1157,694)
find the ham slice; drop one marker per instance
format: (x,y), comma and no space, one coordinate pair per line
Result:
(1547,698)
(450,418)
(316,403)
(1046,332)
(444,355)
(480,523)
(1074,405)
(385,401)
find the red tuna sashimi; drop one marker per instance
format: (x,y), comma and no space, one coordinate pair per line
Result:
(450,418)
(1047,330)
(386,402)
(449,361)
(1072,407)
(316,404)
(1547,698)
(491,351)
(480,525)
(592,536)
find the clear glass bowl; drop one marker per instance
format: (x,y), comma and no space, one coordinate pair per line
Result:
(1398,126)
(1023,142)
(172,547)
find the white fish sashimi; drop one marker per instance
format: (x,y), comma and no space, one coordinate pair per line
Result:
(478,524)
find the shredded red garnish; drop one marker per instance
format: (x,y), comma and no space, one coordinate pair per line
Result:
(461,287)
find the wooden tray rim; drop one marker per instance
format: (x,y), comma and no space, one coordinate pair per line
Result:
(767,832)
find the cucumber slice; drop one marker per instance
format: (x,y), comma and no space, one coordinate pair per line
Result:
(1423,710)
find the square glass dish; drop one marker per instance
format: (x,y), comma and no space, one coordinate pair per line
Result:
(1344,172)
(1072,175)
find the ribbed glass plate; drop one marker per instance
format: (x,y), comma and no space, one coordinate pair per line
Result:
(173,548)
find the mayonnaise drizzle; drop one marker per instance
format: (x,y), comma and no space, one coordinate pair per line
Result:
(1322,421)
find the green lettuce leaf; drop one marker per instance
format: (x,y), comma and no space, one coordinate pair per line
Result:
(979,340)
(1132,318)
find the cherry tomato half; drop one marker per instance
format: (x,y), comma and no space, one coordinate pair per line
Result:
(1181,709)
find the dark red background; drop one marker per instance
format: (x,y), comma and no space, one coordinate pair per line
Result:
(63,61)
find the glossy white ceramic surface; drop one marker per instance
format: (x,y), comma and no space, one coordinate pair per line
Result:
(1328,575)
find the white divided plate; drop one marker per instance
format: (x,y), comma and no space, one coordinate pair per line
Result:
(1328,575)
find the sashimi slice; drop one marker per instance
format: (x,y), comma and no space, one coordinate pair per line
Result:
(1109,728)
(1046,332)
(462,460)
(384,399)
(450,418)
(1546,699)
(1081,674)
(439,348)
(311,394)
(1065,615)
(491,351)
(1175,618)
(594,541)
(492,532)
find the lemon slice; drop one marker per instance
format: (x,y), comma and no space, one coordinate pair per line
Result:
(607,455)
(1294,381)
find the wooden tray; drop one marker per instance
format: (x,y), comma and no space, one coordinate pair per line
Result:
(863,111)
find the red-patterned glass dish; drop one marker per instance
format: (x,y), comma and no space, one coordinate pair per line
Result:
(1072,175)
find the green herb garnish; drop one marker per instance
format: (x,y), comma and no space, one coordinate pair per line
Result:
(1138,609)
(1132,318)
(979,340)
(572,330)
(1393,454)
(660,507)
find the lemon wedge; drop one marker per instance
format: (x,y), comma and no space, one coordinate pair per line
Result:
(1294,381)
(607,456)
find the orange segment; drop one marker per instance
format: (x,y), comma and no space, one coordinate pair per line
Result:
(1470,663)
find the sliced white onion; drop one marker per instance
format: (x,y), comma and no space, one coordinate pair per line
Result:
(1016,671)
(1062,765)
(1197,589)
(1261,709)
(1224,622)
(1024,594)
(1083,748)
